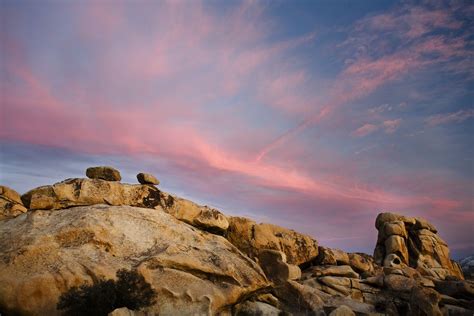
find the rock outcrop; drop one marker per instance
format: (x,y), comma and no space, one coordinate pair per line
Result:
(413,242)
(250,237)
(80,192)
(201,262)
(10,203)
(43,253)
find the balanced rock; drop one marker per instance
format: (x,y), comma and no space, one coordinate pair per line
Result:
(273,263)
(414,242)
(251,237)
(46,253)
(146,178)
(10,203)
(103,173)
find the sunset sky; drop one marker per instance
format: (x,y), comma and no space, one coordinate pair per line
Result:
(313,115)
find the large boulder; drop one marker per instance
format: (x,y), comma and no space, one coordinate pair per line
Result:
(273,263)
(362,263)
(44,253)
(78,192)
(300,299)
(197,215)
(331,256)
(414,242)
(103,173)
(10,203)
(251,237)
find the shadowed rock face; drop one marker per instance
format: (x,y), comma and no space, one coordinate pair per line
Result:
(46,252)
(414,242)
(467,266)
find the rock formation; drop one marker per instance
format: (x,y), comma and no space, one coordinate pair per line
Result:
(55,250)
(413,241)
(250,237)
(201,262)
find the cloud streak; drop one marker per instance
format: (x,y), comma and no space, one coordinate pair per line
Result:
(247,110)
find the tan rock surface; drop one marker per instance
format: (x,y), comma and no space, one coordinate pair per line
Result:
(44,253)
(103,173)
(331,256)
(10,203)
(250,237)
(79,192)
(414,242)
(146,178)
(273,263)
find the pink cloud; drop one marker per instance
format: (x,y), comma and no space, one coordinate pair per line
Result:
(391,126)
(365,130)
(447,118)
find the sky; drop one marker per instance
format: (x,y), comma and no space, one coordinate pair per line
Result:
(313,115)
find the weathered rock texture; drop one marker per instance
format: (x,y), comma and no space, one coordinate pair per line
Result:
(414,242)
(43,253)
(273,263)
(10,203)
(200,216)
(250,237)
(146,178)
(80,230)
(80,192)
(103,173)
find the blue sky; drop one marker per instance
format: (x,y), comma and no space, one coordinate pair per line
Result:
(314,115)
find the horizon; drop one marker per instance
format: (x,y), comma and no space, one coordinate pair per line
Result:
(311,115)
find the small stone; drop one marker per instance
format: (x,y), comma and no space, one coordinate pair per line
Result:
(103,173)
(146,178)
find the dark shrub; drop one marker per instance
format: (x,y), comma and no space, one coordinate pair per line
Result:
(130,290)
(133,291)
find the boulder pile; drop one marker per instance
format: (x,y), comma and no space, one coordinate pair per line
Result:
(202,262)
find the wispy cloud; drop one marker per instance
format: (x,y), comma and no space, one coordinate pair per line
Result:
(447,118)
(365,130)
(391,126)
